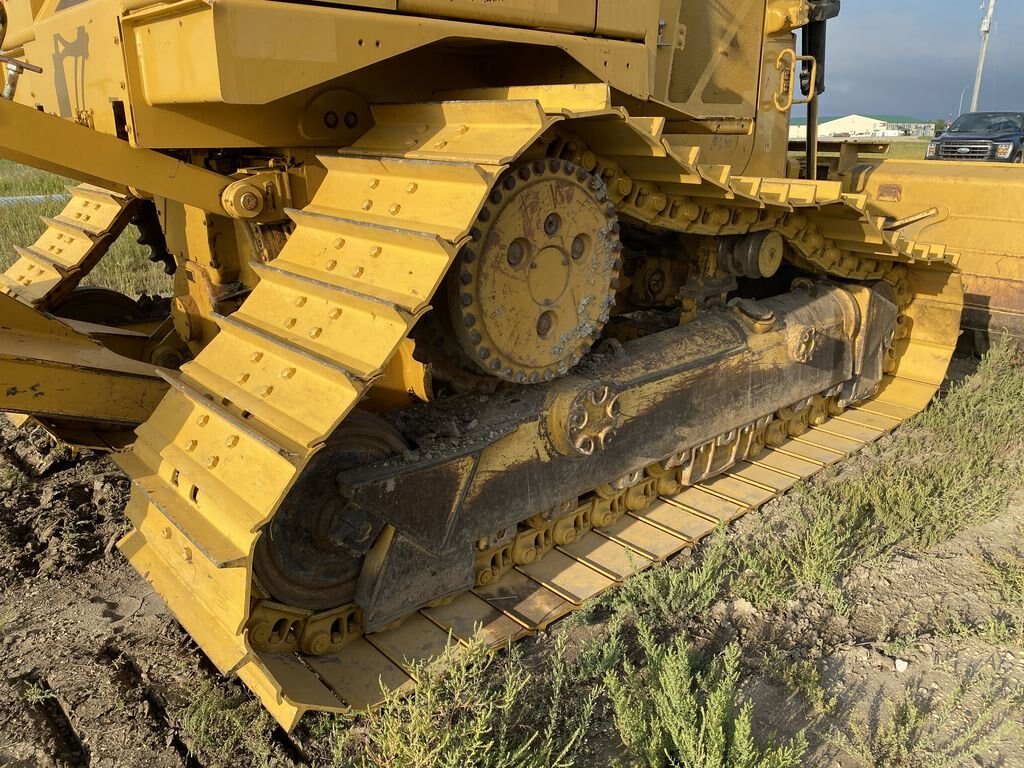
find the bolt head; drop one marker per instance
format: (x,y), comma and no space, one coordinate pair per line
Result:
(516,252)
(552,224)
(545,323)
(249,201)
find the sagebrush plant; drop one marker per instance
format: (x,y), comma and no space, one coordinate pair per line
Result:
(921,731)
(954,466)
(231,728)
(474,708)
(664,594)
(671,713)
(896,642)
(800,676)
(1008,574)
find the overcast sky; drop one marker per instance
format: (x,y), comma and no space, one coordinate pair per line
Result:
(915,57)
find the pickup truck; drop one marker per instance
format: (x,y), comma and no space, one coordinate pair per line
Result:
(995,137)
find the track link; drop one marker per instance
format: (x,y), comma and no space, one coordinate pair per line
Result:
(244,419)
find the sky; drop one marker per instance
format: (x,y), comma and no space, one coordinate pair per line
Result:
(915,57)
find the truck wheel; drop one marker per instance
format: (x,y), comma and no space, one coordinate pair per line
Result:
(1019,159)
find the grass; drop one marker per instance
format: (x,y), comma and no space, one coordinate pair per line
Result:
(922,731)
(908,149)
(18,180)
(126,267)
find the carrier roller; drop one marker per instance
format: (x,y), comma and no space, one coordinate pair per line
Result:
(242,425)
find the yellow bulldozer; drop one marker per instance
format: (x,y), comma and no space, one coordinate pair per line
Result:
(480,306)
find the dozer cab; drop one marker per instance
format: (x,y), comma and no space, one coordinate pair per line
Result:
(479,307)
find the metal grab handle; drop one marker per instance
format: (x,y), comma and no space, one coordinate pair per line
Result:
(23,65)
(784,99)
(15,68)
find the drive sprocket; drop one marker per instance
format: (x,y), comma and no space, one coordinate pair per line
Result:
(531,292)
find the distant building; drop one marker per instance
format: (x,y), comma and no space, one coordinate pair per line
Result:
(865,126)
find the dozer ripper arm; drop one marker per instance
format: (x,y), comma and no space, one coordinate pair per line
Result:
(50,370)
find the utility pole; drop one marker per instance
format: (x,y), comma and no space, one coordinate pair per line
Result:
(986,31)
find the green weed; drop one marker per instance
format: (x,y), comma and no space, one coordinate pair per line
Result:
(897,644)
(664,594)
(954,466)
(232,728)
(669,713)
(1008,574)
(472,708)
(802,677)
(922,732)
(37,692)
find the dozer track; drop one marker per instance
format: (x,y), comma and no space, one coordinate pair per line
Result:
(246,417)
(74,241)
(81,390)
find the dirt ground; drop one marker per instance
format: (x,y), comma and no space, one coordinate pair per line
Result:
(918,629)
(95,671)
